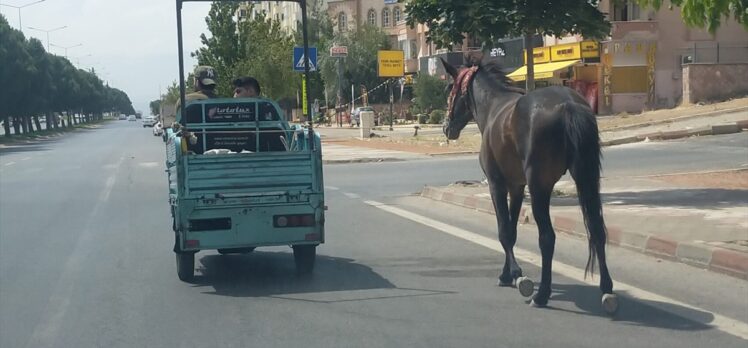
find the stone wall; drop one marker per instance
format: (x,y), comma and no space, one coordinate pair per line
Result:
(714,82)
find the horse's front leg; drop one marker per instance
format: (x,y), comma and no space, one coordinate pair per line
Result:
(507,234)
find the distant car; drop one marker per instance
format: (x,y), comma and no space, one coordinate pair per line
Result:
(149,121)
(122,117)
(157,129)
(131,118)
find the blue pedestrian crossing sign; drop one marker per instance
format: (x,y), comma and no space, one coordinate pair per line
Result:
(298,59)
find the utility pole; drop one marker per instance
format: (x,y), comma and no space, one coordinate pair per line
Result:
(20,24)
(48,31)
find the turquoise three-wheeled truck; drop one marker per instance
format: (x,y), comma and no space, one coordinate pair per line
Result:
(240,177)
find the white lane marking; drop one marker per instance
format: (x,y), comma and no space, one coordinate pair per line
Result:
(25,158)
(663,303)
(351,195)
(333,188)
(148,164)
(10,163)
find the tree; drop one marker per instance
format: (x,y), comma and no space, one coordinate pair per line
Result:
(155,106)
(15,60)
(429,93)
(267,57)
(706,13)
(223,49)
(360,67)
(42,84)
(490,20)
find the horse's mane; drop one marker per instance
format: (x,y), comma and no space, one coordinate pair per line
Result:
(494,69)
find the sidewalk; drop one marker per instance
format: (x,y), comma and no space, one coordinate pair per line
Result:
(335,153)
(670,217)
(692,120)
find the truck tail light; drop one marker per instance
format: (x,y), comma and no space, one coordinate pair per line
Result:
(296,220)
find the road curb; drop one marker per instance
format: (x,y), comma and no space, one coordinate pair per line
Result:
(362,160)
(454,153)
(715,259)
(717,129)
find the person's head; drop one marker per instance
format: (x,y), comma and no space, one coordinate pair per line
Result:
(205,78)
(246,87)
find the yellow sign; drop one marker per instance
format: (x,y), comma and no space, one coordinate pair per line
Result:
(391,63)
(590,49)
(539,55)
(304,106)
(570,51)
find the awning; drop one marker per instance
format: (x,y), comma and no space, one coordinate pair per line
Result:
(542,71)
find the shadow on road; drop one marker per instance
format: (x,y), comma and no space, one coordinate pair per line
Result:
(631,311)
(701,198)
(273,273)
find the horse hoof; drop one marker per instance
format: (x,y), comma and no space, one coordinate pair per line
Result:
(610,303)
(525,286)
(536,305)
(502,283)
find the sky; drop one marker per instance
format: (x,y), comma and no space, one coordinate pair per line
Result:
(132,43)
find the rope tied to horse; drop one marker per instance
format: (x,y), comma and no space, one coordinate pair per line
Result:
(462,82)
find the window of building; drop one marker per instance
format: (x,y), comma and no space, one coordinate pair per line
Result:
(342,21)
(242,13)
(627,11)
(386,18)
(372,17)
(396,14)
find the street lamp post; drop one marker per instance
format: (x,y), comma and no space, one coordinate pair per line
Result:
(20,26)
(66,48)
(48,31)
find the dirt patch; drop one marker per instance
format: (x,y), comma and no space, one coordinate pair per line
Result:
(662,116)
(420,145)
(731,180)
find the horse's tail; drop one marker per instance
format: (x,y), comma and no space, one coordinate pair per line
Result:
(583,155)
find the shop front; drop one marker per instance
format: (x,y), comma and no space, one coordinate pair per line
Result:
(575,65)
(628,76)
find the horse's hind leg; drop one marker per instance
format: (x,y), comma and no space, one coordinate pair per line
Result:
(541,200)
(507,235)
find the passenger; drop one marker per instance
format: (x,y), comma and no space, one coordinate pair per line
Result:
(246,87)
(205,86)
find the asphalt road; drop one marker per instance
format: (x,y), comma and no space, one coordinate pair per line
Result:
(86,261)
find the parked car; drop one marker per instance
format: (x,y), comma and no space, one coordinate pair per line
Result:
(122,117)
(149,121)
(157,129)
(131,118)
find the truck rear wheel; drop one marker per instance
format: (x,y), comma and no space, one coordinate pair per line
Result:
(303,256)
(186,266)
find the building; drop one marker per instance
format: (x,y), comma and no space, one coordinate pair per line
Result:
(645,60)
(286,12)
(389,15)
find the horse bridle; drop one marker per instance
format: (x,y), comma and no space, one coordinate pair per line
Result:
(462,82)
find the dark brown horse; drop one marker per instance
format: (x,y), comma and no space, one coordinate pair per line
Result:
(532,139)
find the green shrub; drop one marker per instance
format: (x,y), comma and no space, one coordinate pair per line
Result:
(436,117)
(423,118)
